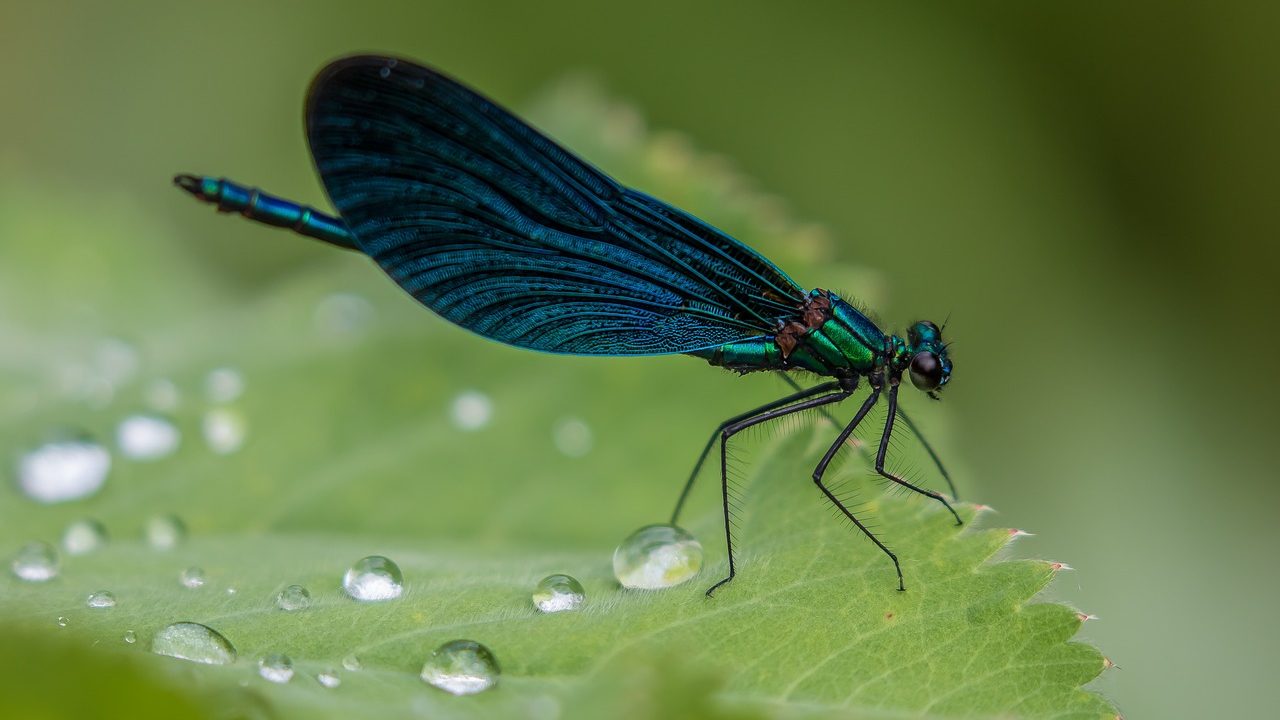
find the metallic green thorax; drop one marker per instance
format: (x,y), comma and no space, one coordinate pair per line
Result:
(829,337)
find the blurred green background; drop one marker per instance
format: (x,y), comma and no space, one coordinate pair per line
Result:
(1088,190)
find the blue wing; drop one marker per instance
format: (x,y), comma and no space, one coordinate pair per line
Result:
(500,230)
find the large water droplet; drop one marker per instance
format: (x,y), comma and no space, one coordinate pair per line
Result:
(35,562)
(147,437)
(557,593)
(329,678)
(66,468)
(372,579)
(461,667)
(101,600)
(164,532)
(130,637)
(471,410)
(224,430)
(194,642)
(192,577)
(224,385)
(277,668)
(293,598)
(84,536)
(657,556)
(572,437)
(352,663)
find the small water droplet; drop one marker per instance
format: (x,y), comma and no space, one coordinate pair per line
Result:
(69,467)
(232,590)
(223,385)
(84,536)
(293,598)
(557,593)
(277,668)
(194,642)
(192,577)
(101,600)
(471,410)
(329,678)
(35,562)
(224,430)
(343,316)
(62,621)
(165,532)
(461,667)
(384,73)
(147,437)
(162,395)
(352,663)
(130,637)
(657,556)
(572,437)
(372,579)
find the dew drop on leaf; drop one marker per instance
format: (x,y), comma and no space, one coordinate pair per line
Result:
(194,642)
(329,678)
(147,437)
(352,662)
(192,577)
(62,621)
(164,532)
(35,562)
(101,600)
(69,467)
(572,437)
(224,430)
(130,637)
(461,667)
(373,579)
(557,593)
(657,556)
(84,536)
(293,598)
(277,668)
(223,385)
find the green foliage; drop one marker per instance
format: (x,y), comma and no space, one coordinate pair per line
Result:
(350,452)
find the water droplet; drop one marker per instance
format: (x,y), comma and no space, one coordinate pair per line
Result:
(461,667)
(232,590)
(557,593)
(471,410)
(194,642)
(130,637)
(224,430)
(162,395)
(372,579)
(164,532)
(293,598)
(69,467)
(192,577)
(329,678)
(277,668)
(224,385)
(101,600)
(84,536)
(384,73)
(62,621)
(572,437)
(147,437)
(35,562)
(657,556)
(343,316)
(352,663)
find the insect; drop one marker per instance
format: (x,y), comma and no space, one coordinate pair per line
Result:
(501,231)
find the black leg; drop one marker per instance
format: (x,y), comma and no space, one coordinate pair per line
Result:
(735,428)
(858,445)
(821,470)
(884,448)
(697,467)
(929,448)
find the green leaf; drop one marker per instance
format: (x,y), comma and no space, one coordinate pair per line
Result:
(350,451)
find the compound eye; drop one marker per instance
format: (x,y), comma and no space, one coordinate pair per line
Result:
(926,371)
